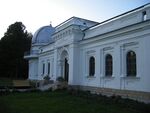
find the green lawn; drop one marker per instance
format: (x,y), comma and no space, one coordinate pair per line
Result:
(67,102)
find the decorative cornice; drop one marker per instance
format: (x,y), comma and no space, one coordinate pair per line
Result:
(67,31)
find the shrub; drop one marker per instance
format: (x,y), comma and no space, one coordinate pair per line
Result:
(60,79)
(33,84)
(46,78)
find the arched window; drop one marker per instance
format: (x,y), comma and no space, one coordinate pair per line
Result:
(108,65)
(48,68)
(43,70)
(131,63)
(92,66)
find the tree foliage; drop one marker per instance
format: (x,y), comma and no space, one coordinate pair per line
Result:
(15,42)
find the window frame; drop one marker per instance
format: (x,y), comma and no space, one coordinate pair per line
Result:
(108,65)
(131,64)
(91,66)
(48,68)
(43,68)
(124,48)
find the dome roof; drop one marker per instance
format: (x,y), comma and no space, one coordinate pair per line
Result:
(43,35)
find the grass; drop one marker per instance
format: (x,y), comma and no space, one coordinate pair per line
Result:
(67,102)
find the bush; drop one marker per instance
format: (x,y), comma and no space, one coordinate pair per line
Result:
(33,84)
(46,78)
(60,79)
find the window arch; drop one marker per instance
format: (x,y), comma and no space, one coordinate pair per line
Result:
(91,66)
(131,63)
(108,65)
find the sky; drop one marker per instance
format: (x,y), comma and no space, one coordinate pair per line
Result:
(37,13)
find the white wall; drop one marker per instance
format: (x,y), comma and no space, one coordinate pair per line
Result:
(118,46)
(118,23)
(45,59)
(33,69)
(115,37)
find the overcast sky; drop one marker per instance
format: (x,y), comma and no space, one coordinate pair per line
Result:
(37,13)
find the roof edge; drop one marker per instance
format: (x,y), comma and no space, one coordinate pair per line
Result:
(119,15)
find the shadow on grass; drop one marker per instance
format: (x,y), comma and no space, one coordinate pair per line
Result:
(4,108)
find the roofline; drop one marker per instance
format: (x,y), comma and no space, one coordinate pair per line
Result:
(85,19)
(72,18)
(63,22)
(115,30)
(119,15)
(64,28)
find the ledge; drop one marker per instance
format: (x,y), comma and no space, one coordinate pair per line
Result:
(130,77)
(92,77)
(108,77)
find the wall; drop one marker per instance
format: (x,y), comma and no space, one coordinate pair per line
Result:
(118,43)
(125,20)
(33,69)
(46,58)
(115,37)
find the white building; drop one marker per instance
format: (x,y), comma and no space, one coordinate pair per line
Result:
(111,57)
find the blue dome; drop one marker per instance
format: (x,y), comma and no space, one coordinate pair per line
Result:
(43,35)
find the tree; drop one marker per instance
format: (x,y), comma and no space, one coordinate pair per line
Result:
(15,42)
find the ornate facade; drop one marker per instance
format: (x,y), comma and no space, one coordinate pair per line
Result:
(111,57)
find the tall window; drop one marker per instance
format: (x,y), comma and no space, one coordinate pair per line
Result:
(92,66)
(43,71)
(108,65)
(48,68)
(131,63)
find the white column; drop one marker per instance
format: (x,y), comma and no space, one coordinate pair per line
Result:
(73,64)
(59,68)
(55,65)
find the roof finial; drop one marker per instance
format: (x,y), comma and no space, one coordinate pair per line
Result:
(50,23)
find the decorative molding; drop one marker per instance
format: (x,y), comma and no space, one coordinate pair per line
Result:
(108,48)
(62,34)
(127,18)
(130,44)
(90,51)
(64,48)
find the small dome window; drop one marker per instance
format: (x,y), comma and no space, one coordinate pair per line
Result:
(84,23)
(144,16)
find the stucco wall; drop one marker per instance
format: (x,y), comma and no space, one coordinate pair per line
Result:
(136,40)
(116,37)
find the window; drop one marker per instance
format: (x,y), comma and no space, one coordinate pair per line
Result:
(144,16)
(108,65)
(131,63)
(92,66)
(43,71)
(48,68)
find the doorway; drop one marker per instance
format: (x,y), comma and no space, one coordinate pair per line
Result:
(64,58)
(66,70)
